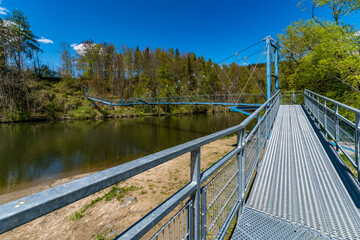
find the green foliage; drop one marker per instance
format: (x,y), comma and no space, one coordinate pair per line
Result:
(318,54)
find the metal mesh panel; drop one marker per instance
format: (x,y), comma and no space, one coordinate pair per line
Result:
(177,227)
(251,154)
(220,195)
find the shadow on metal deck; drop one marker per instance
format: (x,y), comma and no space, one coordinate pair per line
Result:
(303,189)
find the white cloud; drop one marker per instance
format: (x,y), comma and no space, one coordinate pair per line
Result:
(3,11)
(44,40)
(81,48)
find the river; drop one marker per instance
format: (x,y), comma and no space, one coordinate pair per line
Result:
(31,153)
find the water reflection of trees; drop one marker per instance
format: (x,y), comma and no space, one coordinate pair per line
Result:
(35,151)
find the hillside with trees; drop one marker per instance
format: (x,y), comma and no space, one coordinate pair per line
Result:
(318,54)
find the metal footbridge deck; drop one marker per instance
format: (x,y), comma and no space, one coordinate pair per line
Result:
(303,189)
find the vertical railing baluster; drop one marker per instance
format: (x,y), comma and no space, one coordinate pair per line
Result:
(195,178)
(357,142)
(325,119)
(336,121)
(241,166)
(203,214)
(318,110)
(258,150)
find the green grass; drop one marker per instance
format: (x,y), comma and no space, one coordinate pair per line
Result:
(348,163)
(115,192)
(101,237)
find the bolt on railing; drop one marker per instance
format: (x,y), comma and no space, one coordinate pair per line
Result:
(344,133)
(210,200)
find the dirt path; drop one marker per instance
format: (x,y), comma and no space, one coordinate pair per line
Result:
(110,216)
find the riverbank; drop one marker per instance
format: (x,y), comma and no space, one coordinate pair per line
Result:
(107,213)
(61,102)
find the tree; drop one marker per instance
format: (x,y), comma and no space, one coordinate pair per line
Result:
(338,8)
(21,40)
(323,56)
(66,70)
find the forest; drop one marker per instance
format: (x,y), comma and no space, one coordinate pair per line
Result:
(318,54)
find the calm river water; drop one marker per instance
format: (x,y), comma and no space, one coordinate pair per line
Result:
(31,153)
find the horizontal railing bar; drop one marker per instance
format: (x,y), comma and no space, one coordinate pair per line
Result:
(146,223)
(335,102)
(351,160)
(347,121)
(347,134)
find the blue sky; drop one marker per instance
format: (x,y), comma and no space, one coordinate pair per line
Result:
(213,28)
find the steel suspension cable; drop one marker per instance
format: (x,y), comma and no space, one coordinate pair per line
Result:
(254,78)
(242,50)
(212,89)
(251,74)
(229,94)
(206,94)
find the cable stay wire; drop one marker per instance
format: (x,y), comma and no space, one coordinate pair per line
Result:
(250,55)
(242,50)
(186,92)
(223,83)
(216,96)
(206,94)
(259,77)
(357,90)
(253,77)
(251,74)
(282,45)
(227,76)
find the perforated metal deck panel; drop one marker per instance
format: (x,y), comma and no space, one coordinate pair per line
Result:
(302,181)
(256,225)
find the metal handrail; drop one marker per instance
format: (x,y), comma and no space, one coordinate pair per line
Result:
(21,211)
(352,109)
(319,110)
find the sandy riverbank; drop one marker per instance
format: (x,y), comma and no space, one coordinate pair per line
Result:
(109,218)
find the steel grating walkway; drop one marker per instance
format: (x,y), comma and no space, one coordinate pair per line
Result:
(303,190)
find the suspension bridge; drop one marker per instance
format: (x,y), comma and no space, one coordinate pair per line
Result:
(287,177)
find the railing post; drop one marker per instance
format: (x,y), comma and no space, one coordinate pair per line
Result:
(318,110)
(195,177)
(241,167)
(325,119)
(357,143)
(203,214)
(313,105)
(258,136)
(337,129)
(293,98)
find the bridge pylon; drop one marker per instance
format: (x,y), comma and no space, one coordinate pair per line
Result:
(272,56)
